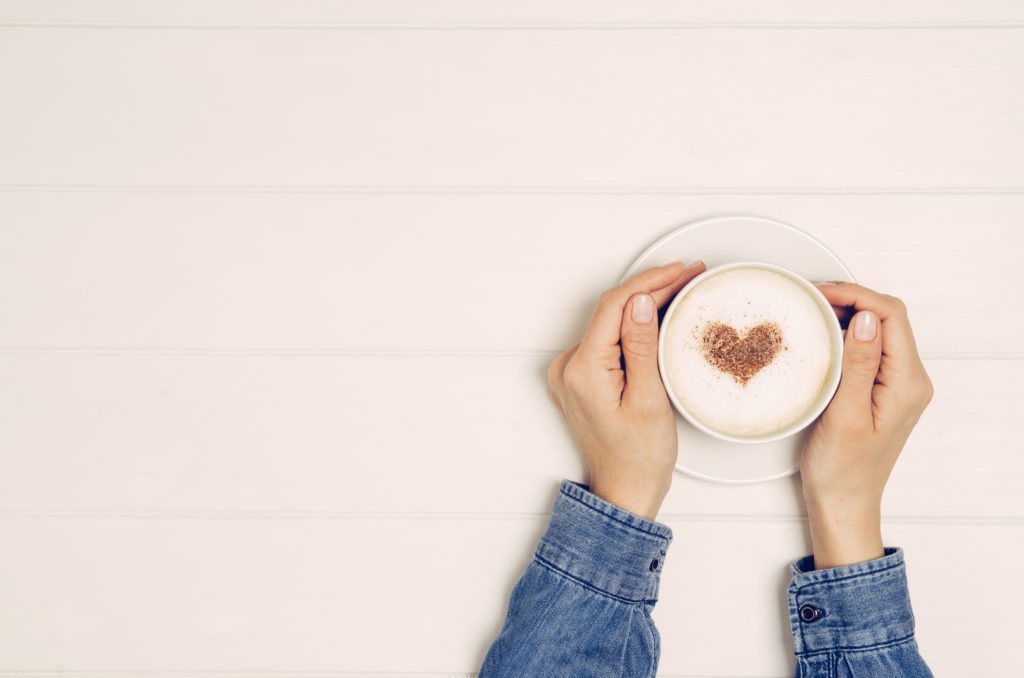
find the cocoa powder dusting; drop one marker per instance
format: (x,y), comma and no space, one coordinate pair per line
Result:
(741,357)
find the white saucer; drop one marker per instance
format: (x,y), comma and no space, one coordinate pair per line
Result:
(720,240)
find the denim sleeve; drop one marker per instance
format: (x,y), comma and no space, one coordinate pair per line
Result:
(854,620)
(582,608)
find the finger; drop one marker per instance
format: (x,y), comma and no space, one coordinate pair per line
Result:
(639,355)
(602,332)
(639,334)
(862,355)
(898,338)
(666,294)
(843,314)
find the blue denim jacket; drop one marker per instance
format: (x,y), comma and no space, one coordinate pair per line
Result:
(583,606)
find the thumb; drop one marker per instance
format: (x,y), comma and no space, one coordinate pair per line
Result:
(862,354)
(639,338)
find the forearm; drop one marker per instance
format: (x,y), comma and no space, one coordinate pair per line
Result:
(854,619)
(583,605)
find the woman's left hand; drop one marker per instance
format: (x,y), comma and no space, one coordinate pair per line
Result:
(610,392)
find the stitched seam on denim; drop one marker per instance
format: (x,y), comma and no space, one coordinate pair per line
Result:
(844,592)
(845,657)
(864,575)
(859,648)
(576,580)
(625,642)
(612,517)
(554,568)
(856,575)
(859,568)
(794,617)
(655,647)
(545,546)
(795,625)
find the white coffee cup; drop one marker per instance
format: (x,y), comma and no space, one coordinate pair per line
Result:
(834,370)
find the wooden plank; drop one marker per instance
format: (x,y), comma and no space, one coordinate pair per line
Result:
(770,108)
(313,436)
(343,272)
(572,12)
(303,596)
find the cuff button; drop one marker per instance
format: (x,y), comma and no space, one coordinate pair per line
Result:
(654,564)
(809,613)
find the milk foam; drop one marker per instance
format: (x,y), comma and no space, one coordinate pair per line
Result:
(781,393)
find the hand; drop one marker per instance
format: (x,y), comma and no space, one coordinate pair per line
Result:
(609,390)
(854,445)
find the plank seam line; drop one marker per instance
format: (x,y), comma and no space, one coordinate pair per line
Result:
(1008,356)
(513,190)
(531,26)
(284,514)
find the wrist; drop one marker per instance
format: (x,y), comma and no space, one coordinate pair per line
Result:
(844,534)
(640,497)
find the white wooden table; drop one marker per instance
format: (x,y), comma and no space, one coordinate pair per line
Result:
(279,282)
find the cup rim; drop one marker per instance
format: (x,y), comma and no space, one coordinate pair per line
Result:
(835,370)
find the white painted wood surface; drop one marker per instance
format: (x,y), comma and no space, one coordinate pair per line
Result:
(232,234)
(470,13)
(920,108)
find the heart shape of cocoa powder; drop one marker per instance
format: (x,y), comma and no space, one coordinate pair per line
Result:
(741,357)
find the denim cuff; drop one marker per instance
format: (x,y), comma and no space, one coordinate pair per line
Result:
(603,547)
(850,607)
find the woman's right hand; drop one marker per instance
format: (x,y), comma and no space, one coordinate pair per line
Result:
(854,445)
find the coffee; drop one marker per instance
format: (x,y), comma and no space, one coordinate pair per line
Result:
(748,351)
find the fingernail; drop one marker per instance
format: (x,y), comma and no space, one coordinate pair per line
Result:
(694,265)
(643,309)
(825,283)
(865,326)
